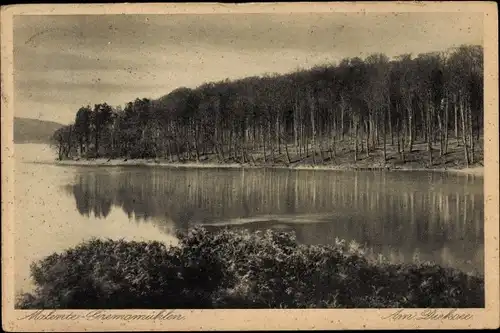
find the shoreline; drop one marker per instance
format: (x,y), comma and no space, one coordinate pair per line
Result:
(473,170)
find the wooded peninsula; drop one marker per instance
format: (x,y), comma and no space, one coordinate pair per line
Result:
(406,112)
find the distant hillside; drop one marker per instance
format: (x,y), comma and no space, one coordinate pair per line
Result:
(33,130)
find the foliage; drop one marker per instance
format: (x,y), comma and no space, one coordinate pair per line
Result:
(239,269)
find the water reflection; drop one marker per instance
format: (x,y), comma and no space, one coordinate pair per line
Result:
(432,216)
(91,197)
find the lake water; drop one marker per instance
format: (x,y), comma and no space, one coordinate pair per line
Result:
(403,215)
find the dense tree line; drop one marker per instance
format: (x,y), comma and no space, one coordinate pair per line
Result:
(362,105)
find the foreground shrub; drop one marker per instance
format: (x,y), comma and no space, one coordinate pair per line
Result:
(239,269)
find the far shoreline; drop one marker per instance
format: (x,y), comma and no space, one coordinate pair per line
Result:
(103,162)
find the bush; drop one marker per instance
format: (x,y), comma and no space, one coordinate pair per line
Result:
(239,269)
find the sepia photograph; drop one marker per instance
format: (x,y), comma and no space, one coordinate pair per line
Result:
(268,159)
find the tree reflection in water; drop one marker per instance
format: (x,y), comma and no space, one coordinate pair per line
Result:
(440,216)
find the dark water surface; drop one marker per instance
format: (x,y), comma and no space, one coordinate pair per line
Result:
(405,216)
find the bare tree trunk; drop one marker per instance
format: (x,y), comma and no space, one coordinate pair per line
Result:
(342,122)
(277,129)
(455,101)
(169,151)
(398,136)
(333,152)
(263,142)
(410,129)
(423,116)
(87,143)
(195,139)
(70,141)
(471,137)
(429,132)
(367,129)
(333,134)
(286,152)
(356,140)
(320,146)
(81,146)
(254,138)
(479,124)
(464,133)
(302,142)
(271,144)
(389,115)
(166,149)
(313,128)
(96,140)
(236,136)
(178,150)
(300,137)
(60,151)
(306,145)
(403,142)
(295,126)
(361,136)
(216,139)
(441,134)
(221,146)
(446,116)
(231,140)
(384,140)
(242,146)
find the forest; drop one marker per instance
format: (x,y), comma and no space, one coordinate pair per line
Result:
(379,108)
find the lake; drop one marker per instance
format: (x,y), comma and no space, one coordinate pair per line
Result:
(405,216)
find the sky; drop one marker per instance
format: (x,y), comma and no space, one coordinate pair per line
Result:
(64,62)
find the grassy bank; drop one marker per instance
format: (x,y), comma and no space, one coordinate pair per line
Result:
(417,159)
(239,269)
